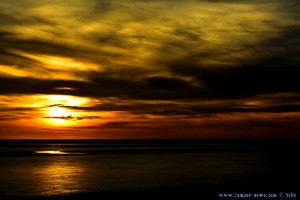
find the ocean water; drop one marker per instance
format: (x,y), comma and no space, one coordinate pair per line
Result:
(67,167)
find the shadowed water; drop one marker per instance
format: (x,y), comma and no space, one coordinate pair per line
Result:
(53,168)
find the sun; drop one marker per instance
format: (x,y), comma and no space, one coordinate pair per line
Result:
(58,115)
(58,112)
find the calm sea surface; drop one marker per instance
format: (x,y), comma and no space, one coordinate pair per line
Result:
(51,168)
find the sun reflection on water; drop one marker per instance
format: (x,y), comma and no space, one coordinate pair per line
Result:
(51,152)
(59,176)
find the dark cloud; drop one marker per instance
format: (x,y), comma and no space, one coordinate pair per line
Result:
(254,109)
(202,111)
(167,83)
(274,69)
(255,124)
(9,117)
(242,82)
(103,87)
(280,51)
(10,45)
(72,118)
(248,81)
(14,109)
(134,125)
(116,125)
(130,106)
(120,125)
(150,89)
(183,109)
(16,113)
(9,85)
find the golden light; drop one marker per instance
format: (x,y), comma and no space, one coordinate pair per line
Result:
(13,71)
(56,152)
(66,99)
(58,114)
(61,176)
(55,111)
(50,67)
(62,63)
(51,152)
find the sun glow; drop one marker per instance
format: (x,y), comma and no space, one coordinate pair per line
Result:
(58,113)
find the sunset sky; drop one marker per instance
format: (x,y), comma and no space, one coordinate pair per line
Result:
(83,69)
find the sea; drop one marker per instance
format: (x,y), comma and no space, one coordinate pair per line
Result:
(87,169)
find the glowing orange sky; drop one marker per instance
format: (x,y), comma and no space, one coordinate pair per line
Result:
(149,69)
